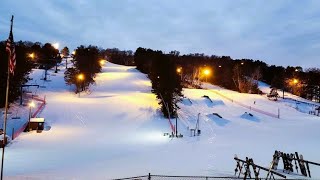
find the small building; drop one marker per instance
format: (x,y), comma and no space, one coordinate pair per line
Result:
(36,124)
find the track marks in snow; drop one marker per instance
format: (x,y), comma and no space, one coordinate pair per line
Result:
(81,118)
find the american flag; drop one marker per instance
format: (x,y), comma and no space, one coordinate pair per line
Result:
(12,53)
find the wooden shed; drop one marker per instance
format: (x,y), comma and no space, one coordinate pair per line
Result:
(36,124)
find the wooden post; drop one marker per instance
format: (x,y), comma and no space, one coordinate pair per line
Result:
(307,164)
(56,71)
(176,127)
(45,73)
(12,133)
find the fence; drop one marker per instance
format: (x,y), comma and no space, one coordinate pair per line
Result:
(21,129)
(315,105)
(43,102)
(165,177)
(249,107)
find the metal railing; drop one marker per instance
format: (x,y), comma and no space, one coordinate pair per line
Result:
(167,177)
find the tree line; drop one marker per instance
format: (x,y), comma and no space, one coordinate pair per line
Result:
(236,74)
(45,56)
(28,55)
(241,75)
(123,57)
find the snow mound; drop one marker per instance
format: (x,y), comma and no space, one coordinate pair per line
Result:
(250,117)
(219,121)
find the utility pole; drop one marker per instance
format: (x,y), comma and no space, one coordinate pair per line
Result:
(46,67)
(167,107)
(56,71)
(176,127)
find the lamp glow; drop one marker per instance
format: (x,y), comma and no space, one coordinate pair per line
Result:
(81,77)
(31,55)
(55,45)
(206,72)
(32,104)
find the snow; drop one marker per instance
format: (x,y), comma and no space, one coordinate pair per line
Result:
(116,130)
(36,119)
(291,100)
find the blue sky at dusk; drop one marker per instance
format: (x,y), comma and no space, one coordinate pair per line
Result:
(278,32)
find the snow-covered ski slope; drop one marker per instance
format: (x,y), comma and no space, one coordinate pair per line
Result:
(116,131)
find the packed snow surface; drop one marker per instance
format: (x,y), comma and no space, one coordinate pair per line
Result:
(116,130)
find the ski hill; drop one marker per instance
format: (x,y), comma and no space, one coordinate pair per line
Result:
(117,131)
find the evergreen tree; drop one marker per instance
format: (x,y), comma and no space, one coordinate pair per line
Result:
(166,83)
(65,51)
(86,63)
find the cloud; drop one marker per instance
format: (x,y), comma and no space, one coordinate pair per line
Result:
(278,32)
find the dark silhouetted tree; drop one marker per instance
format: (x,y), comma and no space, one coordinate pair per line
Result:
(86,62)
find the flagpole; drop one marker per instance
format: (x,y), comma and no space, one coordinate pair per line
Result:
(6,110)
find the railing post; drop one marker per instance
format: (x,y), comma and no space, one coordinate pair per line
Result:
(149,176)
(12,133)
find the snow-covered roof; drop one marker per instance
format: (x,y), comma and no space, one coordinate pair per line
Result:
(37,120)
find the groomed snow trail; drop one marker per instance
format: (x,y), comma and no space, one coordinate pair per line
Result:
(116,131)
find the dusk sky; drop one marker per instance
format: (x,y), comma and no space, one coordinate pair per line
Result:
(275,31)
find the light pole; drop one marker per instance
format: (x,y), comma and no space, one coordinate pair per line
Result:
(179,71)
(31,105)
(206,72)
(56,46)
(294,83)
(80,78)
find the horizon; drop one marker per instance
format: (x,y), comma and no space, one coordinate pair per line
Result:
(270,32)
